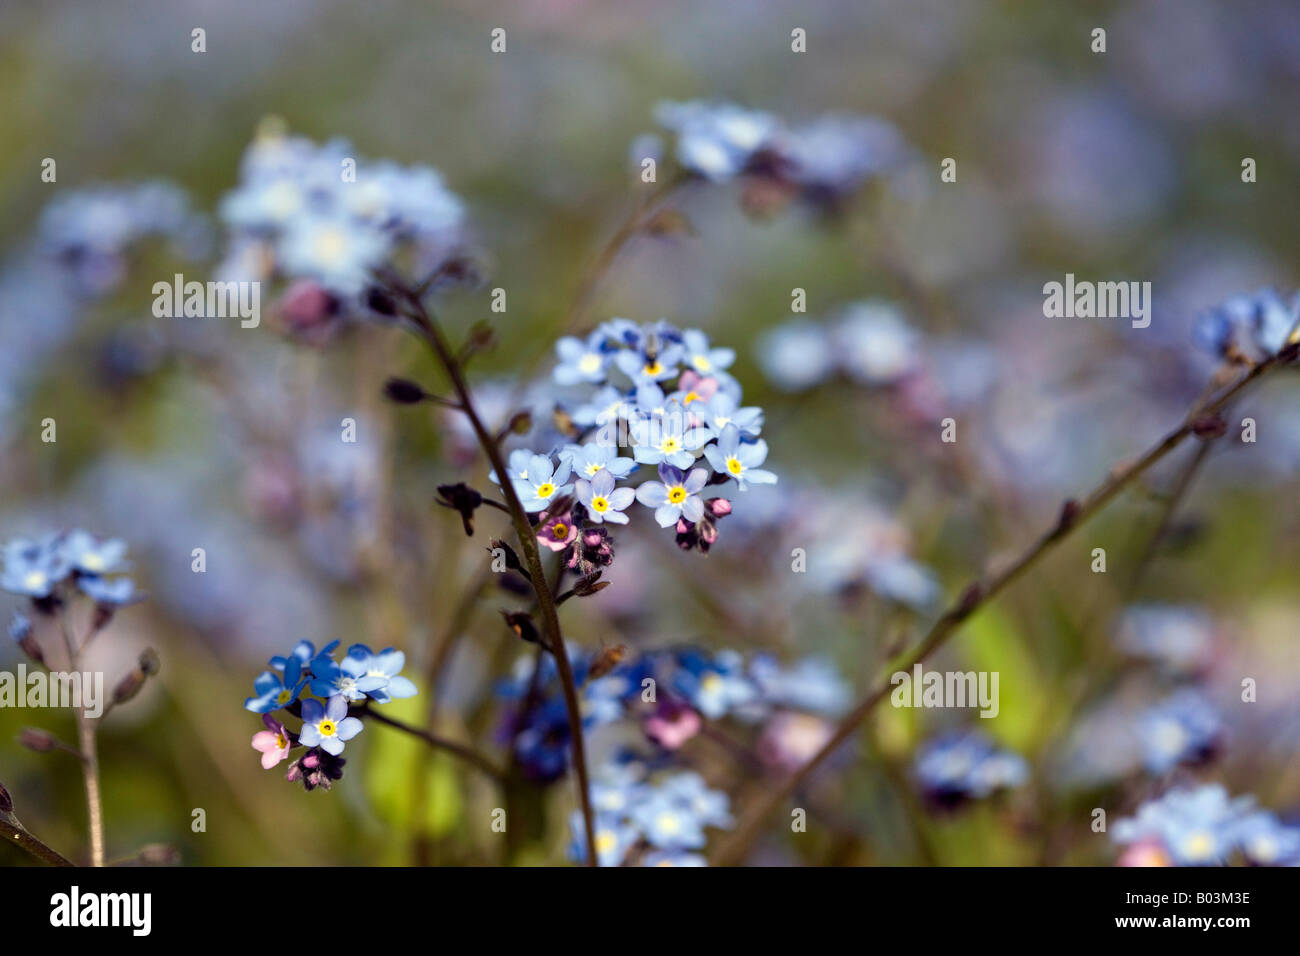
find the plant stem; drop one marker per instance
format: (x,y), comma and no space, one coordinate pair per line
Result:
(89,757)
(433,336)
(465,753)
(21,838)
(978,594)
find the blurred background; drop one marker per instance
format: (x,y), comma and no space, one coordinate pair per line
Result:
(176,434)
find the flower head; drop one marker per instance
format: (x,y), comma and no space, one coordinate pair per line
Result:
(675,495)
(542,482)
(602,500)
(739,460)
(327,727)
(273,743)
(557,531)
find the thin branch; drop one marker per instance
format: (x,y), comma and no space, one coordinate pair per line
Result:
(468,754)
(432,335)
(1073,516)
(89,755)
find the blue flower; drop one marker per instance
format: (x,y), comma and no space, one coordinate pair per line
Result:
(873,344)
(516,464)
(705,360)
(713,685)
(1197,827)
(739,461)
(710,807)
(607,405)
(716,140)
(602,500)
(1266,842)
(958,767)
(304,652)
(591,459)
(796,355)
(349,679)
(812,685)
(327,727)
(722,410)
(1182,729)
(273,692)
(673,858)
(90,556)
(581,361)
(834,155)
(667,439)
(544,482)
(642,367)
(675,495)
(117,592)
(340,253)
(386,665)
(33,568)
(614,837)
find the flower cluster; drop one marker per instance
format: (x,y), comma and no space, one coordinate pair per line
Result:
(954,769)
(823,161)
(650,822)
(1205,827)
(870,343)
(51,568)
(316,213)
(361,677)
(669,695)
(1183,729)
(677,410)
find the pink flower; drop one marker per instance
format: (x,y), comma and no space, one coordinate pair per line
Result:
(1145,853)
(273,743)
(790,740)
(672,725)
(556,533)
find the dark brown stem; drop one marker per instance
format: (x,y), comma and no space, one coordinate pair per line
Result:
(432,335)
(21,838)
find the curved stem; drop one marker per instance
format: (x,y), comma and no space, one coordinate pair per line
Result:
(1074,515)
(441,743)
(433,336)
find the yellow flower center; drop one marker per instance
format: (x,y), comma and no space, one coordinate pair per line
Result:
(653,368)
(281,742)
(1199,846)
(677,494)
(560,530)
(34,580)
(600,504)
(591,470)
(605,841)
(589,364)
(331,244)
(328,728)
(670,445)
(702,364)
(92,562)
(545,490)
(691,396)
(283,698)
(734,466)
(668,823)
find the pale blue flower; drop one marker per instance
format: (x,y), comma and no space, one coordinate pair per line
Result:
(715,140)
(591,459)
(739,460)
(722,410)
(335,250)
(602,500)
(327,727)
(675,495)
(667,439)
(543,483)
(705,360)
(581,361)
(642,367)
(796,355)
(516,465)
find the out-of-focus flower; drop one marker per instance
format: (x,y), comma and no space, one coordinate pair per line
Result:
(672,724)
(1178,638)
(715,140)
(581,361)
(790,740)
(1197,827)
(1254,325)
(796,355)
(874,345)
(713,685)
(1182,729)
(956,768)
(33,568)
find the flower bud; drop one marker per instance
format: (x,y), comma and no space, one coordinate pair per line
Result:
(37,740)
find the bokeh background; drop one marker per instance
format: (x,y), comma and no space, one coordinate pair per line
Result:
(174,434)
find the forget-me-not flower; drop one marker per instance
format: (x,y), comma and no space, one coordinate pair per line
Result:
(739,460)
(675,495)
(602,500)
(327,727)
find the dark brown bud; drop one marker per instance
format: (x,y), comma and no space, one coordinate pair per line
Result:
(462,499)
(522,625)
(404,392)
(606,661)
(591,584)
